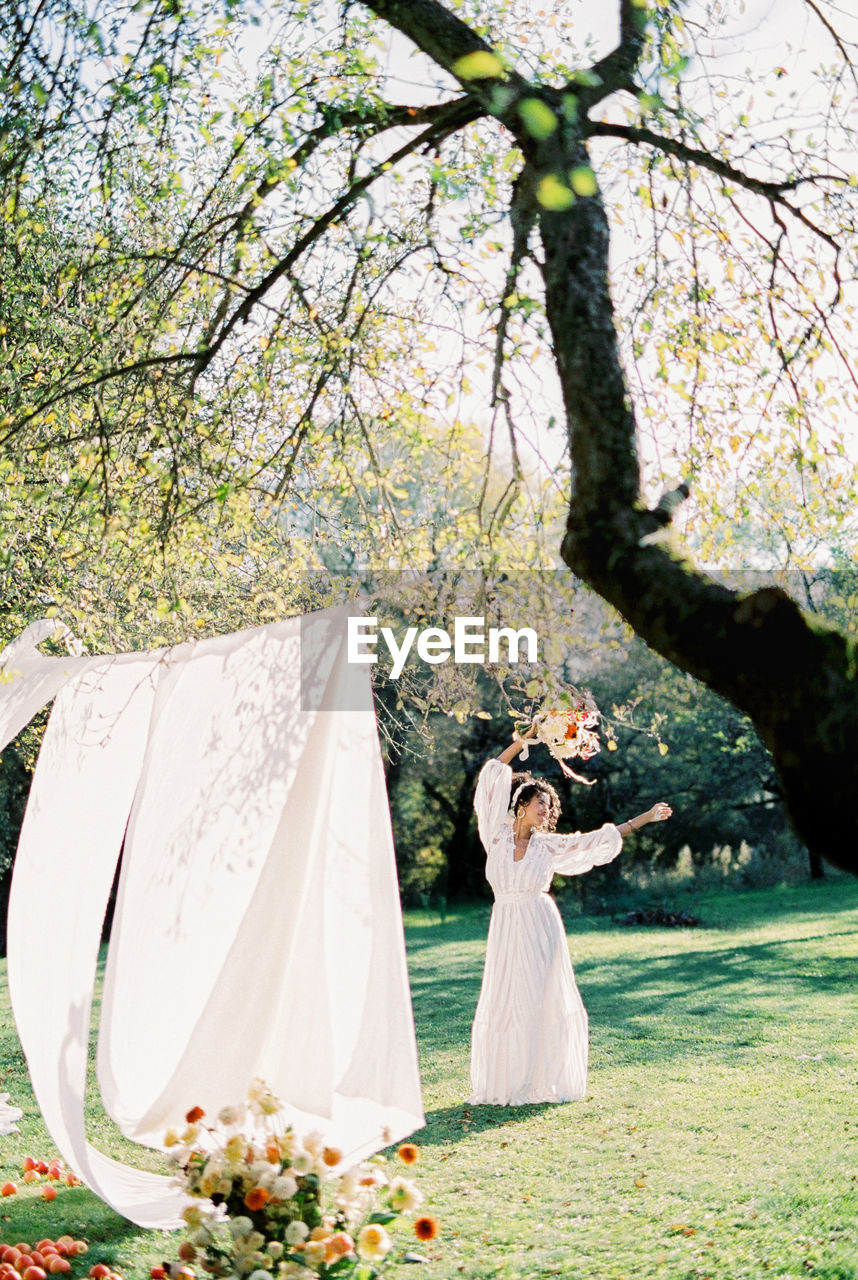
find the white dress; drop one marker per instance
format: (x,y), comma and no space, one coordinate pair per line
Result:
(529,1041)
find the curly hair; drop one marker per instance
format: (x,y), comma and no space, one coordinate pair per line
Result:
(532,786)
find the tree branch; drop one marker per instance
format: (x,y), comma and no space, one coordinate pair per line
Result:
(773,191)
(616,70)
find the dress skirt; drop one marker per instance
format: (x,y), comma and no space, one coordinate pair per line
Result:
(530,1036)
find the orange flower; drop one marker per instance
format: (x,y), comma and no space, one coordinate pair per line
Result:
(256,1198)
(337,1246)
(272,1153)
(331,1156)
(408,1153)
(195,1114)
(426,1228)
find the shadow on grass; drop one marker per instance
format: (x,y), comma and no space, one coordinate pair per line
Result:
(448,1125)
(724,998)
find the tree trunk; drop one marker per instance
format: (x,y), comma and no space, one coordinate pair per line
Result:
(794,678)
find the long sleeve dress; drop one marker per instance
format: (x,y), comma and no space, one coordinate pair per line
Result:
(530,1038)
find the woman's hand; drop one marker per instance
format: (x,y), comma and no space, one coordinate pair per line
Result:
(659,812)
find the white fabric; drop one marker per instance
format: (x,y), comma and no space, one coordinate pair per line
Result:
(8,1116)
(530,1037)
(257,929)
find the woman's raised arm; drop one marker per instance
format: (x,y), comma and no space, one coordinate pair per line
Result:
(518,742)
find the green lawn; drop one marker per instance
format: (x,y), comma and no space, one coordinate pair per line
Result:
(719,1136)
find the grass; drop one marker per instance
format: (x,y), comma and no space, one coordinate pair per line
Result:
(719,1136)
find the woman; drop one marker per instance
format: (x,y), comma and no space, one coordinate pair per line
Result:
(529,1041)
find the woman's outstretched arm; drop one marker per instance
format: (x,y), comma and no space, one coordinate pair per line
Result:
(658,813)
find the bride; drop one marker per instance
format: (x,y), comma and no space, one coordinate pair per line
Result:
(530,1037)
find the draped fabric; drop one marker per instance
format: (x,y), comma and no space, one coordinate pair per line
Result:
(257,929)
(8,1116)
(530,1035)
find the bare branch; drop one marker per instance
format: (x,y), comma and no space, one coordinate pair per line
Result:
(772,191)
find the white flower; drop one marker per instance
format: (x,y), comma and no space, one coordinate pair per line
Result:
(373,1242)
(275,1248)
(261,1100)
(246,1253)
(404,1195)
(314,1252)
(193,1214)
(235,1149)
(303,1162)
(263,1173)
(259,1274)
(240,1227)
(284,1187)
(297,1232)
(231,1116)
(212,1175)
(314,1143)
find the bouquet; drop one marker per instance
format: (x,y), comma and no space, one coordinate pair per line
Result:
(275,1205)
(569,727)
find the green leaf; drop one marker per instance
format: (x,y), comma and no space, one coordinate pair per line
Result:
(538,118)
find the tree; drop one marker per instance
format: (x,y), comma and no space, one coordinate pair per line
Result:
(299,260)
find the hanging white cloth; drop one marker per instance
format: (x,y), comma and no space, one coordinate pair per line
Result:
(257,930)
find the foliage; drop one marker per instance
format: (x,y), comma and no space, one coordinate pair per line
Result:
(262,316)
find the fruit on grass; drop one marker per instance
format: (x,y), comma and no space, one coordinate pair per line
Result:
(32,1175)
(34,1273)
(8,1189)
(49,1192)
(29,1162)
(99,1271)
(158,1273)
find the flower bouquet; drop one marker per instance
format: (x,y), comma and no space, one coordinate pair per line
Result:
(275,1205)
(568,725)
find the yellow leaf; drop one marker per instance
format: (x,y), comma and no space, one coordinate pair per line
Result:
(583,181)
(479,65)
(663,748)
(553,194)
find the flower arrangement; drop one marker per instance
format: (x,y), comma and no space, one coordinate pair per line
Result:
(568,725)
(274,1205)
